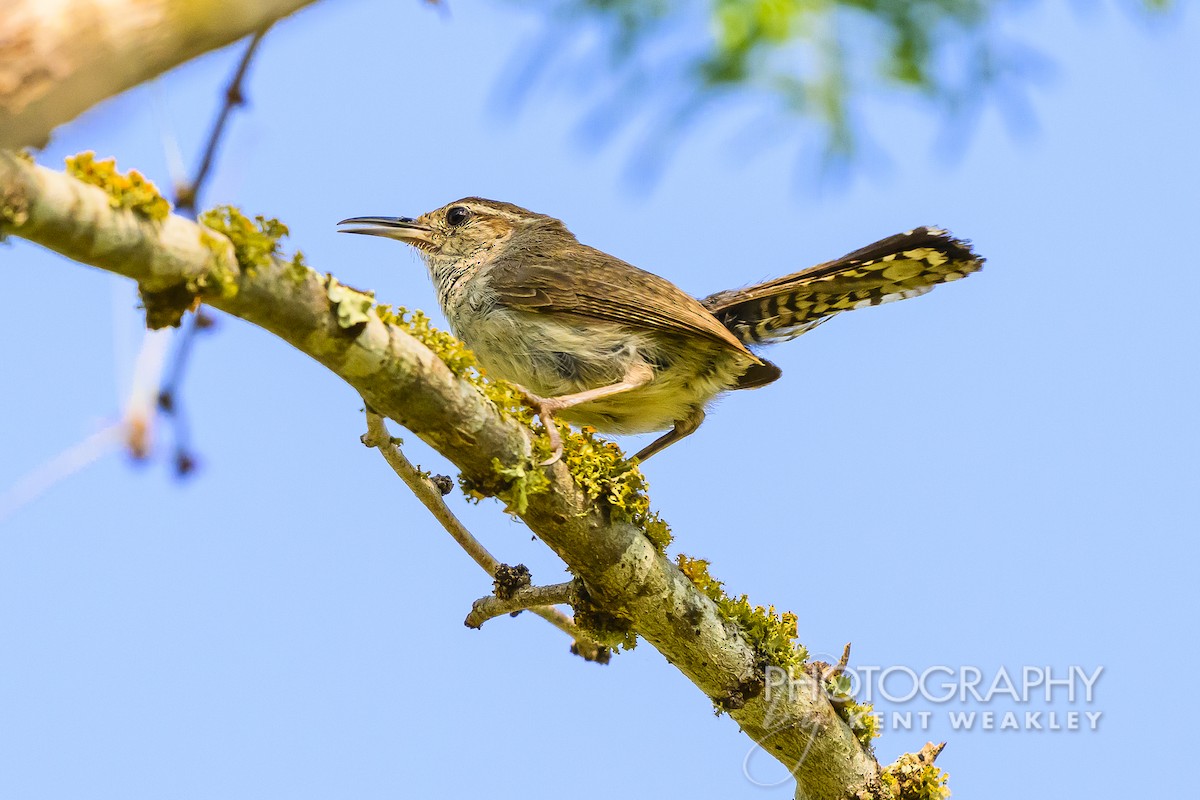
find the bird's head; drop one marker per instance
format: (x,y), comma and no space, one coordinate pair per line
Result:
(471,230)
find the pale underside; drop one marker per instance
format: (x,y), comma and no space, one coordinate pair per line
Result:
(554,355)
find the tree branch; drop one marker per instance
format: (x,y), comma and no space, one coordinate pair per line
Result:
(618,567)
(377,436)
(55,62)
(422,486)
(530,597)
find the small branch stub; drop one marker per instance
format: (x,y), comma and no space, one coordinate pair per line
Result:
(485,608)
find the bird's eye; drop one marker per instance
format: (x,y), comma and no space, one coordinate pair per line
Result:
(457,215)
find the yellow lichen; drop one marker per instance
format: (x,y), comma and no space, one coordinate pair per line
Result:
(131,190)
(298,270)
(598,467)
(860,717)
(601,470)
(912,777)
(518,483)
(255,242)
(512,484)
(221,279)
(601,625)
(445,346)
(863,721)
(772,635)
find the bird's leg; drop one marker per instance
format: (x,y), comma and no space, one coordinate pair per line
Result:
(547,407)
(683,427)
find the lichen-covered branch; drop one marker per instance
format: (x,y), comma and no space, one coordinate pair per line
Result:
(586,507)
(59,58)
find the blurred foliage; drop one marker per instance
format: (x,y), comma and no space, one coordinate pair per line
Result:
(812,59)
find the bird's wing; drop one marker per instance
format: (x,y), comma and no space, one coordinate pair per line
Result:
(590,284)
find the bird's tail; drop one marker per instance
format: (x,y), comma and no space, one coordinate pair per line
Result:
(900,266)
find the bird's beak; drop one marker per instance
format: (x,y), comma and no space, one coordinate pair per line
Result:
(405,229)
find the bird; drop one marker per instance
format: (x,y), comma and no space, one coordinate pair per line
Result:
(595,341)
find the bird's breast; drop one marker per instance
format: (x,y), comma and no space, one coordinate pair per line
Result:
(557,354)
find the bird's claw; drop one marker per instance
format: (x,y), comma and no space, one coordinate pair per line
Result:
(545,408)
(556,445)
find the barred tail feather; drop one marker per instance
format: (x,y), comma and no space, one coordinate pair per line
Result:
(896,268)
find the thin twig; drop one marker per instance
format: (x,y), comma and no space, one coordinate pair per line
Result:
(840,666)
(377,436)
(929,753)
(485,608)
(430,495)
(186,197)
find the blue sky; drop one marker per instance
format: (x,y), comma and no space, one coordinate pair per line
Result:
(1001,474)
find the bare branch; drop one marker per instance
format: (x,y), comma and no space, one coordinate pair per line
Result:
(530,597)
(840,666)
(430,495)
(377,436)
(234,97)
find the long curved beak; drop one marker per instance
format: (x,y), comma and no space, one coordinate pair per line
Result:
(406,229)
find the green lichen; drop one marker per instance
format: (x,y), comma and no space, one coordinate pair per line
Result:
(255,241)
(602,625)
(598,467)
(864,722)
(772,635)
(165,308)
(518,483)
(130,191)
(297,270)
(913,777)
(450,350)
(350,305)
(221,279)
(859,716)
(512,484)
(601,470)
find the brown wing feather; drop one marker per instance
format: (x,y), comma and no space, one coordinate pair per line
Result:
(592,284)
(900,266)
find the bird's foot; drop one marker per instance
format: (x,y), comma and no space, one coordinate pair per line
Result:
(546,407)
